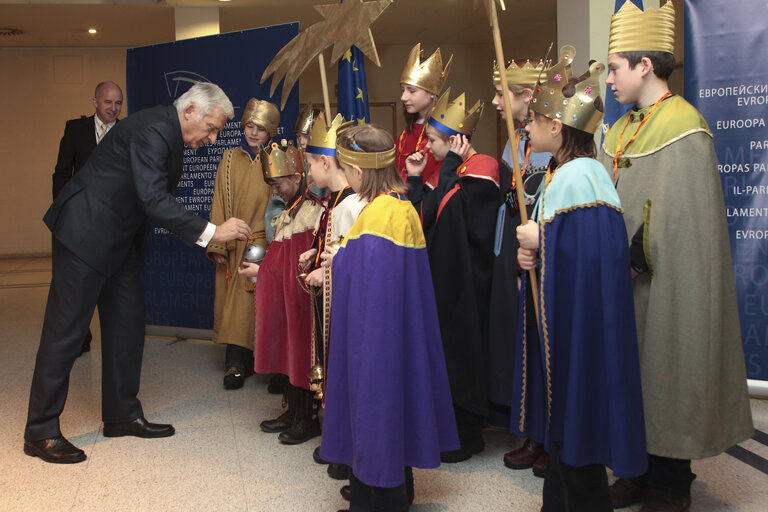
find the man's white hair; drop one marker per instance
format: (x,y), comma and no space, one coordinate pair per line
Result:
(206,97)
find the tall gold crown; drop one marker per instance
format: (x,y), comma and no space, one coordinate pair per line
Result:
(278,160)
(305,119)
(633,30)
(527,74)
(261,113)
(322,141)
(578,109)
(452,118)
(428,74)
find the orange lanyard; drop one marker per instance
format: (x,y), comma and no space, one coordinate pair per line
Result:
(295,203)
(634,136)
(338,198)
(418,141)
(321,240)
(550,173)
(465,163)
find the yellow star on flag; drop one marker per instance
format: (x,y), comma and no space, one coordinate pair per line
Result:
(359,94)
(360,120)
(348,55)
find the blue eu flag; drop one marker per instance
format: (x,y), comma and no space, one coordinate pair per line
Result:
(353,92)
(613,109)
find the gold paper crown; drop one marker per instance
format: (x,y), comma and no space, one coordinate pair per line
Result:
(428,74)
(527,74)
(633,30)
(281,160)
(452,118)
(363,160)
(322,141)
(578,110)
(306,119)
(261,113)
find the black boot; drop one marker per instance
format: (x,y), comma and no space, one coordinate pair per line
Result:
(277,384)
(306,423)
(285,420)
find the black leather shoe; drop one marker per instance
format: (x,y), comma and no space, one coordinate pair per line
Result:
(139,427)
(346,492)
(338,471)
(234,378)
(56,450)
(317,458)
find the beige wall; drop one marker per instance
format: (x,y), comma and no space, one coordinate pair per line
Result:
(39,90)
(42,88)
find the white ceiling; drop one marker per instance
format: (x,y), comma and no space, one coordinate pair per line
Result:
(129,23)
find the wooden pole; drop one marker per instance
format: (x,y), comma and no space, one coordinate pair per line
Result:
(519,192)
(324,81)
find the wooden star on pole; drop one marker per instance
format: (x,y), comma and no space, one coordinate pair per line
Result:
(345,24)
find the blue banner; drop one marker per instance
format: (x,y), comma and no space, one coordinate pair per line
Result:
(726,48)
(353,91)
(179,280)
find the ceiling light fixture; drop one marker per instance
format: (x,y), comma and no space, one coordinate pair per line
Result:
(91,30)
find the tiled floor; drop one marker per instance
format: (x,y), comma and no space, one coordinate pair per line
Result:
(219,459)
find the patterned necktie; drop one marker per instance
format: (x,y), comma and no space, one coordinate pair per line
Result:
(102,133)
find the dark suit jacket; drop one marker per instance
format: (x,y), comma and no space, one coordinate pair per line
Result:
(101,212)
(76,146)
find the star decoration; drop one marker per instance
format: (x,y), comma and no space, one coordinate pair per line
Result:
(360,120)
(345,25)
(359,94)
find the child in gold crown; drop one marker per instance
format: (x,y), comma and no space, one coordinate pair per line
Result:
(343,206)
(241,192)
(521,75)
(283,307)
(662,160)
(388,407)
(421,83)
(578,384)
(459,219)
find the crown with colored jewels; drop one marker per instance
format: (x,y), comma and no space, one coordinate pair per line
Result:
(306,119)
(527,74)
(261,113)
(428,74)
(322,141)
(278,160)
(633,30)
(452,118)
(578,109)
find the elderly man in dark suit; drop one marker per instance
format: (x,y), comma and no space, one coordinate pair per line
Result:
(80,138)
(97,222)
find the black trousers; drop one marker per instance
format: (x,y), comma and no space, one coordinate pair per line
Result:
(366,498)
(672,476)
(574,489)
(76,290)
